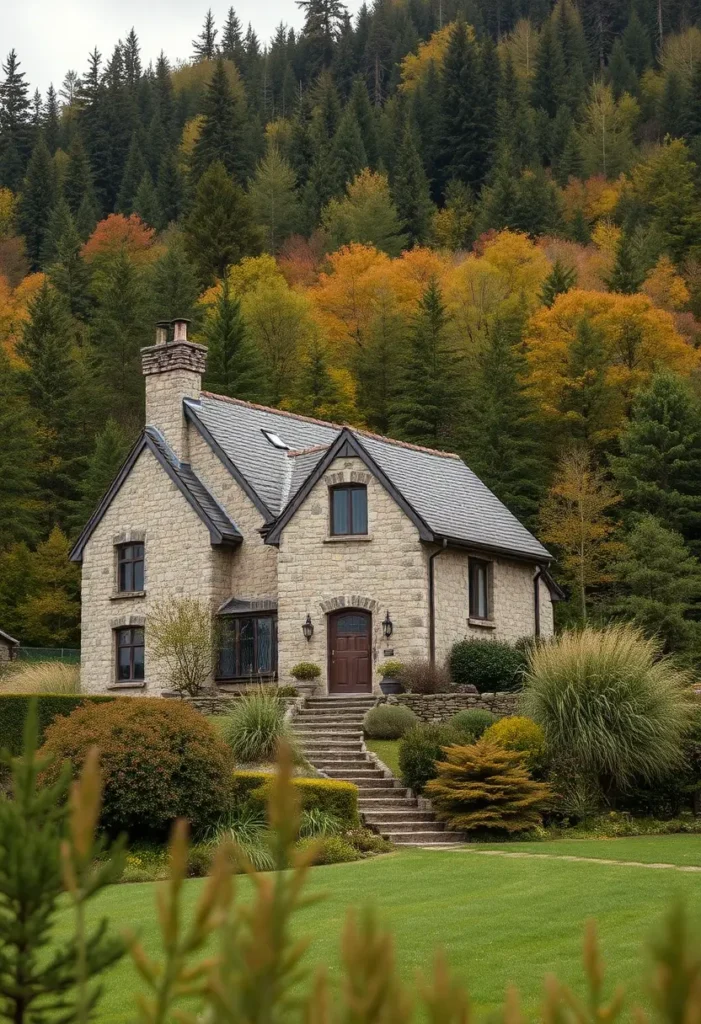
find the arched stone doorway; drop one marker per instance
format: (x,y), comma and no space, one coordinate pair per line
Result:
(350,651)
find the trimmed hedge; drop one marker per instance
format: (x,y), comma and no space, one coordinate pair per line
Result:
(14,707)
(489,665)
(337,798)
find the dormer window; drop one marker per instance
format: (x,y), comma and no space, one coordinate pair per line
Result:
(349,510)
(275,440)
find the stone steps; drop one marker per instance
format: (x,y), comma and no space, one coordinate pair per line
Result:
(330,733)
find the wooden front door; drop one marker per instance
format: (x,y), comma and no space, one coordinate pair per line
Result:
(350,661)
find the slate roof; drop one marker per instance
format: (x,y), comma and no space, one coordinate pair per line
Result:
(445,494)
(221,528)
(10,639)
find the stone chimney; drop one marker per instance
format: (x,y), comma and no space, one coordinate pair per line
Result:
(173,369)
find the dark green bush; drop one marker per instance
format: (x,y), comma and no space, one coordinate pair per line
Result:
(472,722)
(331,850)
(13,711)
(337,798)
(419,751)
(490,665)
(389,721)
(160,760)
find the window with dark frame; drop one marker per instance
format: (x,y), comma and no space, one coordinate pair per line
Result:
(130,654)
(248,646)
(130,568)
(349,510)
(479,589)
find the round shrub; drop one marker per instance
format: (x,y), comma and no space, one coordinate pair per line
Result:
(471,723)
(160,760)
(520,734)
(389,722)
(420,749)
(607,700)
(490,665)
(255,725)
(305,671)
(421,676)
(330,850)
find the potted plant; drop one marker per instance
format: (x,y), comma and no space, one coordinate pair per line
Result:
(391,677)
(306,674)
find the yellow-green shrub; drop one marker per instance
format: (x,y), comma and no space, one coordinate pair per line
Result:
(337,798)
(523,735)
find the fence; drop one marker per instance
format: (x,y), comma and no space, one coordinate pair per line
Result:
(69,655)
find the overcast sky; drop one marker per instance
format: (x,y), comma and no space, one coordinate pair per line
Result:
(51,36)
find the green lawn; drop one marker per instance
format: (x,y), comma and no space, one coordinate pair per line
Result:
(387,751)
(501,920)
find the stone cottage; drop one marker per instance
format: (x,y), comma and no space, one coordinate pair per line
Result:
(309,540)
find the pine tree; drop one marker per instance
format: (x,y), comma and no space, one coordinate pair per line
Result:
(549,79)
(586,405)
(219,229)
(626,275)
(222,131)
(693,111)
(51,122)
(347,156)
(232,43)
(175,287)
(411,192)
(636,43)
(659,468)
(38,198)
(134,170)
(661,582)
(132,60)
(273,196)
(233,364)
(621,72)
(502,442)
(64,262)
(428,398)
(359,102)
(467,134)
(673,106)
(163,96)
(323,20)
(50,382)
(322,179)
(316,391)
(51,615)
(170,188)
(111,447)
(559,280)
(86,218)
(366,214)
(15,126)
(146,204)
(78,180)
(19,495)
(205,47)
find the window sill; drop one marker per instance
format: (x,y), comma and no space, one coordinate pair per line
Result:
(135,684)
(482,623)
(123,595)
(240,680)
(348,538)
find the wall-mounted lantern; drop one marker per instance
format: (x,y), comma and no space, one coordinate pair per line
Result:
(387,626)
(308,627)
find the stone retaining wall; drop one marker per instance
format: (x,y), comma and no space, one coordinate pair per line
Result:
(437,707)
(219,704)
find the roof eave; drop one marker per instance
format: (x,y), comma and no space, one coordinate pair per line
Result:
(543,559)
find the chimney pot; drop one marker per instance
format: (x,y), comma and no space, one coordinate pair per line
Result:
(180,329)
(162,331)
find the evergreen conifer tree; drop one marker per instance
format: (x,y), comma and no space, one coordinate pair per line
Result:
(146,203)
(219,228)
(316,392)
(322,21)
(429,395)
(111,447)
(233,364)
(549,79)
(232,40)
(64,262)
(134,170)
(467,136)
(586,405)
(222,131)
(674,106)
(19,495)
(621,72)
(86,218)
(205,47)
(175,288)
(411,192)
(50,382)
(347,154)
(170,188)
(626,275)
(560,279)
(659,468)
(359,101)
(273,196)
(636,43)
(51,123)
(15,124)
(38,198)
(78,182)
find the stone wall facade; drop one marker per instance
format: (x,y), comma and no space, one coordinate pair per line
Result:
(179,562)
(437,707)
(385,570)
(6,650)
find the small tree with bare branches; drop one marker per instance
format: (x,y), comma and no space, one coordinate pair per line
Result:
(182,633)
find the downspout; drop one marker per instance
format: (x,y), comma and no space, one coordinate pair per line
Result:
(432,604)
(536,600)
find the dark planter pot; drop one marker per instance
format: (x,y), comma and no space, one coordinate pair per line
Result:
(390,685)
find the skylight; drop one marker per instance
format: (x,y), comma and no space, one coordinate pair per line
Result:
(275,440)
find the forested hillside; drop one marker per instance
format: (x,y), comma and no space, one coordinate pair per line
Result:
(472,225)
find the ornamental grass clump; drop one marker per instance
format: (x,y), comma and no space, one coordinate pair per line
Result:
(483,787)
(255,726)
(610,704)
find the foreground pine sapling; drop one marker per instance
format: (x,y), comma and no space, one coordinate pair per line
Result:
(38,978)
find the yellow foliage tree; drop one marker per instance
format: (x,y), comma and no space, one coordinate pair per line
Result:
(415,65)
(635,340)
(8,203)
(521,46)
(14,309)
(666,287)
(574,516)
